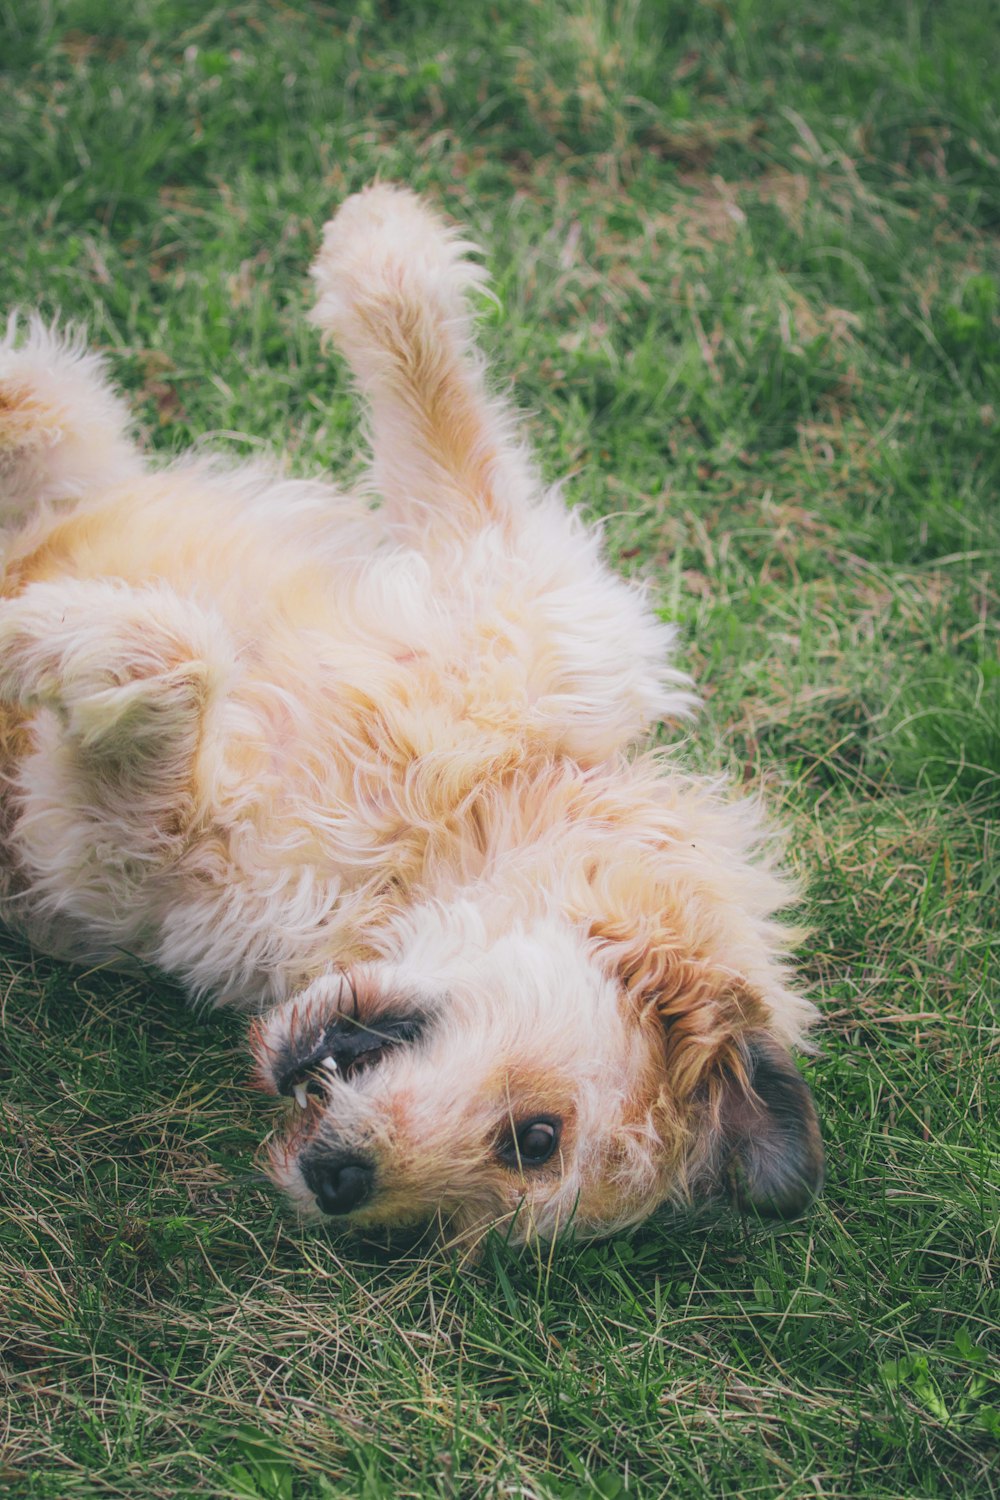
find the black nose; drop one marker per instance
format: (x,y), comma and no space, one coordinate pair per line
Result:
(341,1183)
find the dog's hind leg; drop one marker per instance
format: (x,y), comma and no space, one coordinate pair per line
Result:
(63,429)
(110,691)
(394,284)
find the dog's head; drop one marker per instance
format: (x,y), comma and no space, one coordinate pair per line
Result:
(588,1034)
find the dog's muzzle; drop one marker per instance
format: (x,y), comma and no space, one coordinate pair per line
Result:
(342,1050)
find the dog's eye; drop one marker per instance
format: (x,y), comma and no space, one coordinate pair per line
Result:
(363,1061)
(532,1143)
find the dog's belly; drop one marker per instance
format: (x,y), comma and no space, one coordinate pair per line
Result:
(373,696)
(243,540)
(368,706)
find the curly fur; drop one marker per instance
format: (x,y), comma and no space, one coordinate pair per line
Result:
(336,763)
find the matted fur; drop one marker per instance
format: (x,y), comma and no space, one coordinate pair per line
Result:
(353,767)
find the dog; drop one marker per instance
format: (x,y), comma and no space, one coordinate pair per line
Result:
(368,770)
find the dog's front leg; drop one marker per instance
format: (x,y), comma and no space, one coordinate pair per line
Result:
(108,691)
(394,283)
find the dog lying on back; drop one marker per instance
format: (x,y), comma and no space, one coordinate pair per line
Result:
(366,773)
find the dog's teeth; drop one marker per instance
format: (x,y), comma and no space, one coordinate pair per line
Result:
(330,1064)
(301,1097)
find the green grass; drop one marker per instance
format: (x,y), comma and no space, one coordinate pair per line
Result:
(747,255)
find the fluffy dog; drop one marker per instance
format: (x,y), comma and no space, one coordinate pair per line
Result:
(365,771)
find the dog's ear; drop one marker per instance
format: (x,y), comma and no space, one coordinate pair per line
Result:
(761,1140)
(718,1066)
(770,1153)
(759,1135)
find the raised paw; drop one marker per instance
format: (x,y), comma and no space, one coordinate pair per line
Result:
(393,284)
(63,429)
(385,253)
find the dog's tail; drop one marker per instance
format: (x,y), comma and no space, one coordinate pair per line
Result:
(394,284)
(63,430)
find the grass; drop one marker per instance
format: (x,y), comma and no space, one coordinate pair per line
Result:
(747,255)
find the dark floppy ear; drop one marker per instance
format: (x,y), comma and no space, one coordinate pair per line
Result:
(772,1153)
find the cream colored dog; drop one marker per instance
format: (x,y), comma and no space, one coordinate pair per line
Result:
(366,772)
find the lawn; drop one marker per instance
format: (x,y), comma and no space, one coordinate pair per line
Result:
(746,256)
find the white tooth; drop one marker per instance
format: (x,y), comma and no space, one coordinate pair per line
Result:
(301,1097)
(330,1064)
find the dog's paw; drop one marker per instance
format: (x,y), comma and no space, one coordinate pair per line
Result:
(63,430)
(119,667)
(385,251)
